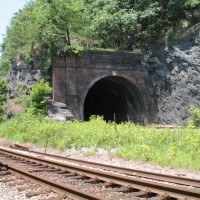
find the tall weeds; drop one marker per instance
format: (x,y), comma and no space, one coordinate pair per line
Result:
(169,147)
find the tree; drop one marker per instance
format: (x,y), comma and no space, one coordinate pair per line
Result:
(44,27)
(21,33)
(117,22)
(41,28)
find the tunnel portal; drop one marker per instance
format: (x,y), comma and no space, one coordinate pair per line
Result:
(107,84)
(114,98)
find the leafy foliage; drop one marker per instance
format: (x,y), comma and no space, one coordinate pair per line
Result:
(194,120)
(44,28)
(38,94)
(72,49)
(3,91)
(41,28)
(126,23)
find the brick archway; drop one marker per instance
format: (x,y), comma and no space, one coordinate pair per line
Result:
(116,99)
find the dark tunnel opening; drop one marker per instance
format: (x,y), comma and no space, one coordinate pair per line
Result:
(114,98)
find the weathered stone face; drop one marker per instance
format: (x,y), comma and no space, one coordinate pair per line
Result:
(176,78)
(22,78)
(110,84)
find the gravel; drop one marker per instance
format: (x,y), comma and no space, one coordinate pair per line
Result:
(95,155)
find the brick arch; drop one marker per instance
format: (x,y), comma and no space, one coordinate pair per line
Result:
(108,94)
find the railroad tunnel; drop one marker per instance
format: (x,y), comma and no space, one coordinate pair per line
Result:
(116,99)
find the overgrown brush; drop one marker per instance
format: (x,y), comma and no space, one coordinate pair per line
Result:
(194,120)
(38,97)
(3,91)
(169,147)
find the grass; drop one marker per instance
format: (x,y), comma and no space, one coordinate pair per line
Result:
(167,147)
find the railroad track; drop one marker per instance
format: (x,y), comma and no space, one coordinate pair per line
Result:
(39,185)
(106,185)
(128,171)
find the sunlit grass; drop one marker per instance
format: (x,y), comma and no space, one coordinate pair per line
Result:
(167,147)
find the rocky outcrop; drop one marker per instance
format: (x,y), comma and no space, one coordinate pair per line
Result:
(59,112)
(22,77)
(175,71)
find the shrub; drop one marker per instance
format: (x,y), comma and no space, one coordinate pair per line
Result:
(16,106)
(72,50)
(3,91)
(194,120)
(38,94)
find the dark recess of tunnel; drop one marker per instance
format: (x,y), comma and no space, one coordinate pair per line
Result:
(114,98)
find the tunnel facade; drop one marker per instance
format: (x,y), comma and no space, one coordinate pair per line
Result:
(112,85)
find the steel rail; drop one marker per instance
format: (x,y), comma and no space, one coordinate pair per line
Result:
(129,182)
(129,171)
(64,191)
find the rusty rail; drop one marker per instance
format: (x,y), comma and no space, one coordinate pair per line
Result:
(128,171)
(56,187)
(127,182)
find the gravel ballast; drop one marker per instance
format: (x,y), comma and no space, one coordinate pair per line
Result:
(100,156)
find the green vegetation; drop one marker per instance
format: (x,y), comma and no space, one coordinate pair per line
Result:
(16,106)
(45,28)
(194,120)
(35,102)
(3,91)
(72,49)
(39,30)
(169,147)
(38,98)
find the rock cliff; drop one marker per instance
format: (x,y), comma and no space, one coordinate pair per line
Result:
(176,77)
(22,77)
